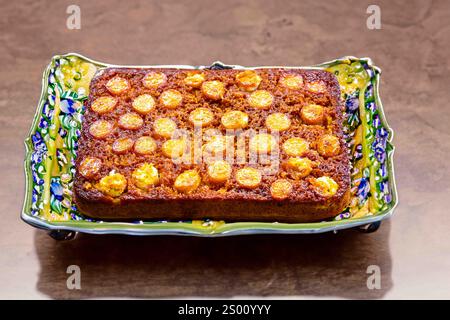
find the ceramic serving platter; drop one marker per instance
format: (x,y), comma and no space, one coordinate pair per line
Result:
(51,148)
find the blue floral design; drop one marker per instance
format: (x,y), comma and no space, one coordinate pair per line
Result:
(371,106)
(383,171)
(358,152)
(57,190)
(363,190)
(36,138)
(47,110)
(43,124)
(382,133)
(35,196)
(384,186)
(369,92)
(36,178)
(352,104)
(62,132)
(67,106)
(40,148)
(376,121)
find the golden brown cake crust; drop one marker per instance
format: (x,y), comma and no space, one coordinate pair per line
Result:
(227,201)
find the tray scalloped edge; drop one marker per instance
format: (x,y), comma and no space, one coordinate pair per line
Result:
(208,229)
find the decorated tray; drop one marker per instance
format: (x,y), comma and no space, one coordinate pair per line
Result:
(51,150)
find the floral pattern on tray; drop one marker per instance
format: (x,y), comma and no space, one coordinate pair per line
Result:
(53,142)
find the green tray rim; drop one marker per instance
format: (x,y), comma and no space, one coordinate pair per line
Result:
(187,229)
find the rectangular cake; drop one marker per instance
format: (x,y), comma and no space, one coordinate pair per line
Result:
(237,145)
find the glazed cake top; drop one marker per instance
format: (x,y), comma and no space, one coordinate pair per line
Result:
(260,134)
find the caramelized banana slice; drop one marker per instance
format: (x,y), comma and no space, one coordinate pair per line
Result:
(112,185)
(104,104)
(89,167)
(292,82)
(281,189)
(317,87)
(278,122)
(328,145)
(248,177)
(153,80)
(144,104)
(171,99)
(312,114)
(174,148)
(145,176)
(295,147)
(164,127)
(299,167)
(217,145)
(262,143)
(130,121)
(117,85)
(201,117)
(145,145)
(219,171)
(325,186)
(248,80)
(260,99)
(122,145)
(194,80)
(214,90)
(100,129)
(234,120)
(188,181)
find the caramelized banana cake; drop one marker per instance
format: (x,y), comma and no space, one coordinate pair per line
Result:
(175,144)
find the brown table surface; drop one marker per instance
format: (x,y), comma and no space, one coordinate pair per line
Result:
(412,249)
